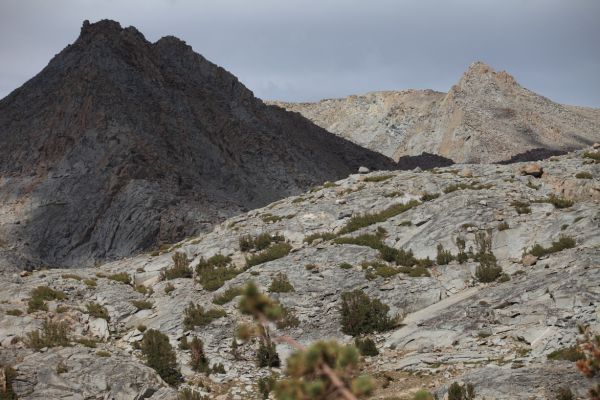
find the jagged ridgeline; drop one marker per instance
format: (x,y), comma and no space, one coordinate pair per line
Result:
(120,144)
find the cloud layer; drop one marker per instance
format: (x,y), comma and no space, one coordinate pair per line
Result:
(305,50)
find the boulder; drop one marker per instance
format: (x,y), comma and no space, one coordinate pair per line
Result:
(528,260)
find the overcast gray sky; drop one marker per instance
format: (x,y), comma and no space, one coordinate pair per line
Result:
(304,50)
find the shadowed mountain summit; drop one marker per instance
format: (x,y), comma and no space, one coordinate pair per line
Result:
(120,144)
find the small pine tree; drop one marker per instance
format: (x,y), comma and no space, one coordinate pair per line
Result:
(160,356)
(267,356)
(198,361)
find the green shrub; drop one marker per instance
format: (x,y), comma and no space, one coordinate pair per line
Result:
(361,221)
(180,269)
(7,392)
(52,334)
(189,394)
(270,218)
(14,312)
(71,276)
(102,353)
(142,304)
(556,201)
(142,328)
(160,356)
(502,226)
(458,392)
(97,311)
(583,175)
(122,277)
(169,288)
(443,256)
(198,359)
(228,295)
(281,284)
(374,269)
(287,319)
(260,242)
(522,207)
(320,235)
(266,355)
(572,354)
(377,178)
(218,369)
(274,252)
(195,315)
(462,256)
(266,386)
(592,156)
(362,315)
(429,196)
(504,277)
(41,294)
(488,270)
(366,347)
(418,271)
(423,394)
(90,282)
(213,274)
(87,342)
(564,242)
(465,186)
(345,265)
(564,393)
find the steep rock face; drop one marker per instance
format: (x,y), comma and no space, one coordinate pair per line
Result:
(120,144)
(486,117)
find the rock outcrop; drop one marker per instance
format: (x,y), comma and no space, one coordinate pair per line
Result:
(486,117)
(120,144)
(501,336)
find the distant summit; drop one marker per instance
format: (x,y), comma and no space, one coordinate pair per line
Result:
(120,144)
(486,117)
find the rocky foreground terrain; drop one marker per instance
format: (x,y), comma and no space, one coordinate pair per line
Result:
(486,117)
(120,144)
(509,337)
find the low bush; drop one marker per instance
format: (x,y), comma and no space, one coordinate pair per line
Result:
(122,277)
(198,359)
(102,353)
(260,242)
(564,242)
(180,269)
(362,315)
(266,355)
(274,252)
(572,354)
(228,295)
(195,315)
(488,270)
(71,276)
(443,256)
(556,201)
(39,295)
(160,356)
(169,288)
(592,155)
(325,236)
(97,311)
(458,392)
(287,319)
(366,347)
(345,265)
(423,394)
(266,386)
(429,196)
(502,226)
(280,284)
(52,334)
(14,312)
(466,186)
(90,282)
(377,178)
(583,175)
(142,304)
(6,390)
(363,220)
(522,207)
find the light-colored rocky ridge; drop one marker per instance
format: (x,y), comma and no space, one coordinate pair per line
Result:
(486,117)
(495,335)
